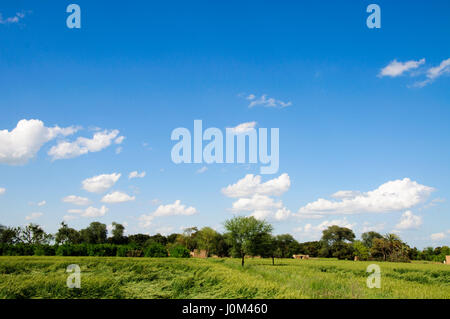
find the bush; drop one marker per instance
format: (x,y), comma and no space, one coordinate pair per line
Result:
(179,251)
(155,250)
(45,250)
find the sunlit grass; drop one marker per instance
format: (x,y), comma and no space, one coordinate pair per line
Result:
(115,277)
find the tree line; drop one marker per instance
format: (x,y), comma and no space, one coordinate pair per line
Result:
(244,236)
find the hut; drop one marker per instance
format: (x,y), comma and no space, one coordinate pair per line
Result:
(300,256)
(447,260)
(199,253)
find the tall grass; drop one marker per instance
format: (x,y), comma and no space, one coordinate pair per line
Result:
(105,277)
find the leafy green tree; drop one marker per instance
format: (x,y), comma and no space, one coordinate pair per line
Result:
(243,232)
(34,234)
(117,232)
(361,250)
(9,235)
(138,239)
(96,233)
(287,245)
(336,242)
(207,239)
(368,237)
(67,235)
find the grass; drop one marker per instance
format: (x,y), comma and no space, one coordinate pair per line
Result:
(115,277)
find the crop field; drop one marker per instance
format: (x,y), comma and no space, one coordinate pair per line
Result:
(116,277)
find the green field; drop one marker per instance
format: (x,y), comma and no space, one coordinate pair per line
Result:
(115,277)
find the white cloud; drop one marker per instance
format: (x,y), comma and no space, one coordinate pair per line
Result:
(117,197)
(136,174)
(256,203)
(395,195)
(202,170)
(175,209)
(315,231)
(100,183)
(2,190)
(438,236)
(345,194)
(22,143)
(14,19)
(41,203)
(119,150)
(442,68)
(266,101)
(435,72)
(243,127)
(82,145)
(396,68)
(90,211)
(34,216)
(251,184)
(409,221)
(76,200)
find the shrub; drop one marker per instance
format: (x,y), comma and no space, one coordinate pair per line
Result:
(179,251)
(45,250)
(155,250)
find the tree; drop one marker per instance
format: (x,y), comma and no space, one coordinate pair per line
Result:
(207,239)
(287,245)
(138,239)
(9,235)
(360,250)
(67,235)
(96,233)
(34,234)
(336,242)
(243,232)
(368,237)
(117,234)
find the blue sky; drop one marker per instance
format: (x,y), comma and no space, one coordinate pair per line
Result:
(142,69)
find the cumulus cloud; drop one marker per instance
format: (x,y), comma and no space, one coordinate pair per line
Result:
(117,197)
(100,183)
(394,195)
(251,184)
(396,68)
(243,127)
(90,212)
(266,101)
(175,209)
(82,145)
(136,174)
(14,19)
(409,221)
(254,196)
(2,190)
(33,216)
(22,143)
(438,236)
(76,200)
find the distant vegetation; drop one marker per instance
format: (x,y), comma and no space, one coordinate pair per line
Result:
(244,236)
